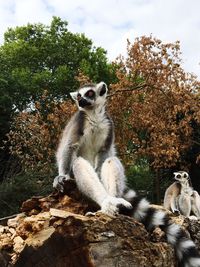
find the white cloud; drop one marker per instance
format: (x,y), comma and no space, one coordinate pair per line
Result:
(110,23)
(31,11)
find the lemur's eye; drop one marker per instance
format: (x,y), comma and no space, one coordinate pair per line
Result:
(185,175)
(90,94)
(178,176)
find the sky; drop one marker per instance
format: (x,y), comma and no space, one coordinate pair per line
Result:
(110,22)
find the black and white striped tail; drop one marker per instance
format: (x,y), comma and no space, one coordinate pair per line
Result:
(186,251)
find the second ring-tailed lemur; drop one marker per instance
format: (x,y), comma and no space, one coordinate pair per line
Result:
(180,196)
(87,153)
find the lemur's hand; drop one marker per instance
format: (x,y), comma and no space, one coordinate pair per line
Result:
(176,212)
(112,205)
(59,182)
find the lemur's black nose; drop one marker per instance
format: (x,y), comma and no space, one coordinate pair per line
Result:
(83,102)
(79,97)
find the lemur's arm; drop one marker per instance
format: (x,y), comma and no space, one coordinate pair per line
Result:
(170,198)
(108,148)
(174,204)
(195,201)
(64,157)
(67,149)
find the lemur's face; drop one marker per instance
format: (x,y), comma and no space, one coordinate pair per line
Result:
(181,176)
(90,96)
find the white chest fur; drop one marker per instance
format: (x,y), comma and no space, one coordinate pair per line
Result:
(96,130)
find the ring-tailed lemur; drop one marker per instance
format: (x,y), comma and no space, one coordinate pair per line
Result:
(180,196)
(87,153)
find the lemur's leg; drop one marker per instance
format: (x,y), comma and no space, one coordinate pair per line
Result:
(174,207)
(114,180)
(89,184)
(184,202)
(112,176)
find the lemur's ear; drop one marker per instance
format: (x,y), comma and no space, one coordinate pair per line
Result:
(73,95)
(101,88)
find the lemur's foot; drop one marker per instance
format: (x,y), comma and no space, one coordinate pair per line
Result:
(113,205)
(60,181)
(193,217)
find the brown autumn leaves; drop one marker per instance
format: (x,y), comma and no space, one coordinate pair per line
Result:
(155,106)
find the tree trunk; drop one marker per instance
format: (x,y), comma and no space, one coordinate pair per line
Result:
(157,187)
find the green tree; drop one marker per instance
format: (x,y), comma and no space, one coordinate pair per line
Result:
(36,57)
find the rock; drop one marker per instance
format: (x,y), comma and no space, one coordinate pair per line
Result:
(13,222)
(5,242)
(83,241)
(64,214)
(60,235)
(193,227)
(18,244)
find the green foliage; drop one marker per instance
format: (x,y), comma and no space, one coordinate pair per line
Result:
(18,189)
(5,108)
(37,57)
(140,178)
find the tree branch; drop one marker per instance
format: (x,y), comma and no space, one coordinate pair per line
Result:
(195,142)
(138,87)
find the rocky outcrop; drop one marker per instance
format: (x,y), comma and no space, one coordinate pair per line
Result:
(54,232)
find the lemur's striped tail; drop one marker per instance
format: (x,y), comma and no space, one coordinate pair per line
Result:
(186,251)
